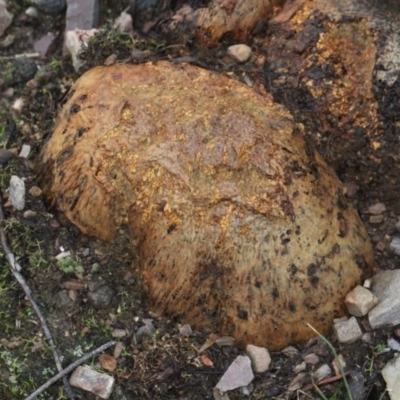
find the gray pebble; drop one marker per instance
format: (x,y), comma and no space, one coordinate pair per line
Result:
(52,7)
(101,298)
(147,330)
(17,192)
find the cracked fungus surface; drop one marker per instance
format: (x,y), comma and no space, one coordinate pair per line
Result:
(240,225)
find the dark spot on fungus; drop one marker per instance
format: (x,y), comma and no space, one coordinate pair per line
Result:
(80,132)
(314,281)
(83,98)
(292,306)
(293,270)
(258,284)
(64,155)
(242,314)
(275,293)
(342,225)
(75,108)
(171,228)
(311,269)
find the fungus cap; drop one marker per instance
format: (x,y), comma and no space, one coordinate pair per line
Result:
(240,224)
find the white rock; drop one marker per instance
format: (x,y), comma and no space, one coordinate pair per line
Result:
(395,245)
(338,362)
(311,358)
(32,12)
(17,192)
(377,208)
(87,379)
(237,375)
(300,368)
(5,17)
(360,300)
(393,344)
(74,41)
(391,375)
(290,351)
(322,372)
(386,287)
(25,151)
(348,331)
(239,52)
(123,23)
(260,358)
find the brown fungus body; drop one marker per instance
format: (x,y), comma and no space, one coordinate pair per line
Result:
(240,225)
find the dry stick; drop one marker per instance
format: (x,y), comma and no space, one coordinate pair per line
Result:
(325,381)
(15,268)
(70,367)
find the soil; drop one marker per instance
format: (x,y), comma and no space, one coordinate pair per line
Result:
(168,364)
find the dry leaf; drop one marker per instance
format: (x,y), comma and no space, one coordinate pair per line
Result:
(107,362)
(206,361)
(209,342)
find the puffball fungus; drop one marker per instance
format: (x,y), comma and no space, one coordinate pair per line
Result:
(240,225)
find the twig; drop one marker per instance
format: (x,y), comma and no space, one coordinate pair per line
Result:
(27,55)
(70,367)
(15,269)
(325,381)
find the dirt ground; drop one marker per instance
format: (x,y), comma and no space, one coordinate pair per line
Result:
(166,365)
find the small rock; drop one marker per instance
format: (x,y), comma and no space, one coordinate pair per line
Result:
(18,106)
(377,208)
(385,287)
(360,301)
(101,298)
(311,359)
(35,191)
(322,372)
(376,219)
(395,245)
(62,255)
(239,52)
(74,41)
(147,330)
(338,362)
(44,44)
(29,214)
(123,23)
(397,226)
(118,333)
(260,358)
(51,7)
(17,192)
(63,301)
(273,391)
(348,331)
(391,375)
(300,368)
(5,157)
(5,17)
(25,151)
(237,375)
(82,15)
(393,344)
(107,362)
(32,12)
(185,330)
(87,379)
(119,347)
(290,351)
